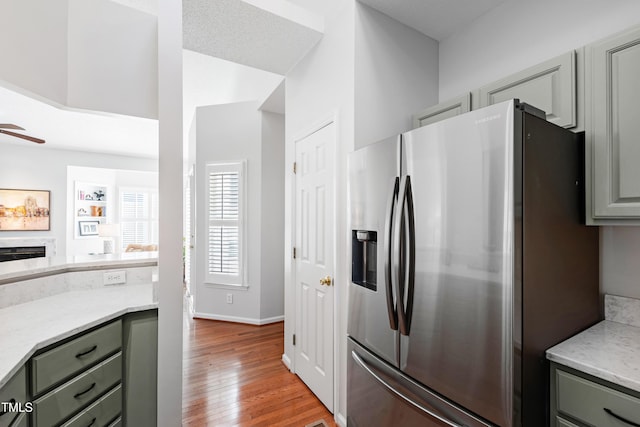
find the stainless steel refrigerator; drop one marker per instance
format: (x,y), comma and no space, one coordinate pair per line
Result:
(469,259)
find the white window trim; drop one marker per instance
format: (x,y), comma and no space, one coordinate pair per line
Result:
(224,281)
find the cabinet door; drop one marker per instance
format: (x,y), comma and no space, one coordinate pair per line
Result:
(15,393)
(613,126)
(140,341)
(549,86)
(444,110)
(561,422)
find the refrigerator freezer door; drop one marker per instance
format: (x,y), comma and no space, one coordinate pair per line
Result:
(379,395)
(460,344)
(373,186)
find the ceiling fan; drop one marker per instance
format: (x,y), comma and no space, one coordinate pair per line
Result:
(4,126)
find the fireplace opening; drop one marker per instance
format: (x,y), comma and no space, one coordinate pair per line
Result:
(21,252)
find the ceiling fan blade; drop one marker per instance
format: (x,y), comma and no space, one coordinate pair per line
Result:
(27,137)
(10,126)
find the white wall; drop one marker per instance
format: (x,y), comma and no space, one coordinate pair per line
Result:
(17,166)
(211,81)
(214,81)
(113,57)
(33,38)
(504,41)
(319,87)
(95,55)
(396,75)
(170,150)
(233,132)
(371,73)
(518,34)
(272,219)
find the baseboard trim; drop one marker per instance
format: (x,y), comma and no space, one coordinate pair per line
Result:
(286,361)
(341,420)
(237,319)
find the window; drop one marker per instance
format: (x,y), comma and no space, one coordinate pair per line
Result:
(225,216)
(138,216)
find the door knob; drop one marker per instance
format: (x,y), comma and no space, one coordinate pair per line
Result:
(327,280)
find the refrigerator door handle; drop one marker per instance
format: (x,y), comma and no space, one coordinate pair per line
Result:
(407,399)
(388,256)
(404,239)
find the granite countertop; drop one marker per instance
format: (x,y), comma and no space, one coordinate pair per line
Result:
(27,327)
(609,350)
(25,269)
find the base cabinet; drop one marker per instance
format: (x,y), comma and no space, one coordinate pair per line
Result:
(13,393)
(580,400)
(140,347)
(106,376)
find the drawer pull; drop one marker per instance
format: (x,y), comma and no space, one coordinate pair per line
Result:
(93,421)
(12,401)
(84,353)
(79,395)
(624,420)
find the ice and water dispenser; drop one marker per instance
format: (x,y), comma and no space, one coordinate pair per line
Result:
(364,258)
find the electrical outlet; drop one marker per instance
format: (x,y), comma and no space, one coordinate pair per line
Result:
(229,298)
(115,277)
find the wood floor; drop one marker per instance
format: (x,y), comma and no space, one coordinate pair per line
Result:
(233,375)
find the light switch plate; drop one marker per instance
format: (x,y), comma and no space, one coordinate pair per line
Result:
(115,277)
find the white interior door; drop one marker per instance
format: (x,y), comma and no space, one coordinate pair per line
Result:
(314,245)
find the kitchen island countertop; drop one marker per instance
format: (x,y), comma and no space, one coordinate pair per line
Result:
(26,269)
(28,327)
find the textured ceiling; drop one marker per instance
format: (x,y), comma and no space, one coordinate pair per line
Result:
(240,32)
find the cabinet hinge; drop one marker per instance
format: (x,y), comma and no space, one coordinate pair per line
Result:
(294,339)
(294,253)
(295,166)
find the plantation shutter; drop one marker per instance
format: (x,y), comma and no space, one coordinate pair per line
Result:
(224,237)
(138,216)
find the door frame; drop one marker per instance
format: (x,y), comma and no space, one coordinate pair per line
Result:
(290,244)
(191,295)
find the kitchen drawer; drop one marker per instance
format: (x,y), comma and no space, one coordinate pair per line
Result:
(59,363)
(589,402)
(561,422)
(103,411)
(77,393)
(14,391)
(21,421)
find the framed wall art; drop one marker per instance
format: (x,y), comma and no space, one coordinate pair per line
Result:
(88,228)
(24,210)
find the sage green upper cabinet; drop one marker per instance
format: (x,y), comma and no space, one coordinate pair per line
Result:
(612,91)
(444,110)
(549,86)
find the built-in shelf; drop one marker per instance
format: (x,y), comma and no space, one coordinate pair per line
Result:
(90,209)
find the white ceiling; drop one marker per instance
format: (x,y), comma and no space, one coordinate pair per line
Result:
(235,30)
(437,19)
